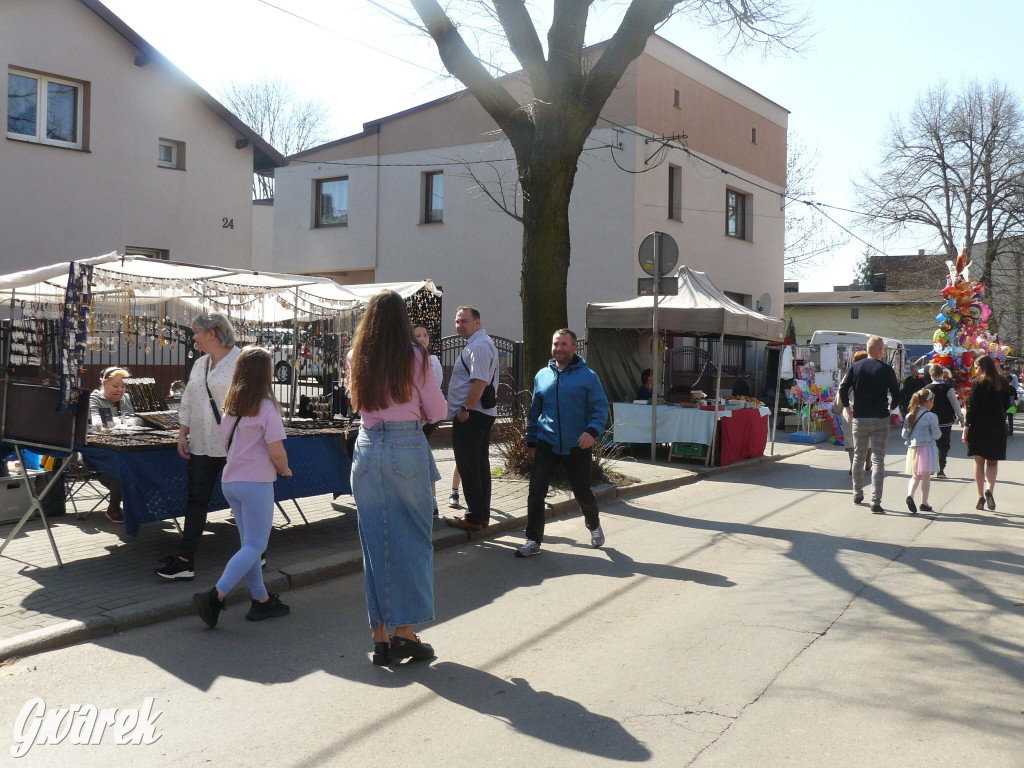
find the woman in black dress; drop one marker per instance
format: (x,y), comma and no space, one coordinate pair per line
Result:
(985,427)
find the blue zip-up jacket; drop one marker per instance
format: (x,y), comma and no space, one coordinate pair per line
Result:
(565,405)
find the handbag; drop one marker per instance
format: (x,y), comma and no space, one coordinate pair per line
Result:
(489,398)
(213,403)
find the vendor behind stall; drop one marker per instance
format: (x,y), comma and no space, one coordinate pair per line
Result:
(740,387)
(646,391)
(106,405)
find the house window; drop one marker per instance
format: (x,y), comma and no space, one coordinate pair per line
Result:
(170,154)
(675,98)
(675,192)
(44,109)
(753,135)
(332,202)
(854,313)
(153,253)
(433,196)
(738,218)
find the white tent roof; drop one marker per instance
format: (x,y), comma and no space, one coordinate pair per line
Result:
(240,293)
(699,308)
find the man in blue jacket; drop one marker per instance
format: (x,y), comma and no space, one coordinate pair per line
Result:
(567,415)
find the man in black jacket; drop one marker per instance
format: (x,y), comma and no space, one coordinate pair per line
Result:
(947,409)
(915,381)
(876,391)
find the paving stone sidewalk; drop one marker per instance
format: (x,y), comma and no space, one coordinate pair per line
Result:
(107,584)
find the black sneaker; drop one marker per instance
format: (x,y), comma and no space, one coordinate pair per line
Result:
(271,609)
(877,509)
(941,473)
(401,648)
(176,569)
(858,498)
(208,605)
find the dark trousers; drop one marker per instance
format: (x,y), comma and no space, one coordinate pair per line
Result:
(943,444)
(202,477)
(577,467)
(471,441)
(113,487)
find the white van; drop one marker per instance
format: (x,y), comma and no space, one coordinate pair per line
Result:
(895,350)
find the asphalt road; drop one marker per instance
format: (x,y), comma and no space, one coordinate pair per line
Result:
(755,619)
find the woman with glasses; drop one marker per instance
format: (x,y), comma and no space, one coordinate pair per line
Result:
(199,438)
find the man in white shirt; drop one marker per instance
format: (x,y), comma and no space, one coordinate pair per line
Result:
(473,382)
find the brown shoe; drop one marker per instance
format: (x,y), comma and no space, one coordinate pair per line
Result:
(463,523)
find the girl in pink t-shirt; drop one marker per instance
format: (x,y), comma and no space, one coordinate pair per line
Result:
(253,435)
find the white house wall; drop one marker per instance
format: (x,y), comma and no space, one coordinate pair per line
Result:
(476,253)
(750,267)
(59,203)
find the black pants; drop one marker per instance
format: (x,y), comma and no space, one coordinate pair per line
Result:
(943,444)
(577,466)
(202,477)
(113,487)
(471,440)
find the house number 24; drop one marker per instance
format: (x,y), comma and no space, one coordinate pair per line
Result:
(227,223)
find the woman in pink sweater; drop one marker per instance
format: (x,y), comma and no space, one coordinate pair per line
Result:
(396,391)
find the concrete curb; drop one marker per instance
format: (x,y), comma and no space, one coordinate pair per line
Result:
(345,562)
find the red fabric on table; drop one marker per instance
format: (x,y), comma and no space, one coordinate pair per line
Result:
(744,435)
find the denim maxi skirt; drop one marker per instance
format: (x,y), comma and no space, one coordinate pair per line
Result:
(391,485)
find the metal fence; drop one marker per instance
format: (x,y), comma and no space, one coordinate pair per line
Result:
(510,363)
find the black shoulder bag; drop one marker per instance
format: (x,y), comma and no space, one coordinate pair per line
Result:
(231,436)
(489,398)
(213,403)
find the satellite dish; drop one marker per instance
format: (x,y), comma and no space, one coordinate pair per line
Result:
(764,304)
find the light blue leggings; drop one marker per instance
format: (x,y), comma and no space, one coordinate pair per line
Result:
(252,504)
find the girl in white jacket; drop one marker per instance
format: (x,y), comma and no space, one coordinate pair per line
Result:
(921,430)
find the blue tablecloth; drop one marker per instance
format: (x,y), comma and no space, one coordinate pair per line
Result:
(154,483)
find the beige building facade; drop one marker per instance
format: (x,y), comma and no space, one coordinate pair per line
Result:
(402,200)
(109,147)
(908,316)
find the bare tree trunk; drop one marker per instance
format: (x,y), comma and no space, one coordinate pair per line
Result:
(547,188)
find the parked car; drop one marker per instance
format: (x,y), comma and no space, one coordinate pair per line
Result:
(309,364)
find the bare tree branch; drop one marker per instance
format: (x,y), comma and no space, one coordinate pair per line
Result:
(287,123)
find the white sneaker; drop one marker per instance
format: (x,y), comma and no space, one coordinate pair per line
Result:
(597,538)
(528,549)
(453,499)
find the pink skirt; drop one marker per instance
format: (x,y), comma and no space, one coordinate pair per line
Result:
(922,460)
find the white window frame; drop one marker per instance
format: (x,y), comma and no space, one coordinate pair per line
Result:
(745,217)
(41,104)
(318,185)
(173,163)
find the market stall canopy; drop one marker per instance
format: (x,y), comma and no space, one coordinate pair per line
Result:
(699,309)
(245,294)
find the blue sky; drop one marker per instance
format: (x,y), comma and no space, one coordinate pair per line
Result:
(867,61)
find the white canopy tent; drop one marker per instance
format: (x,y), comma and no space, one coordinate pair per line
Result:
(147,287)
(699,309)
(242,294)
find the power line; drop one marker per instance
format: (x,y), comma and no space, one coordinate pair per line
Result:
(666,144)
(346,37)
(423,165)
